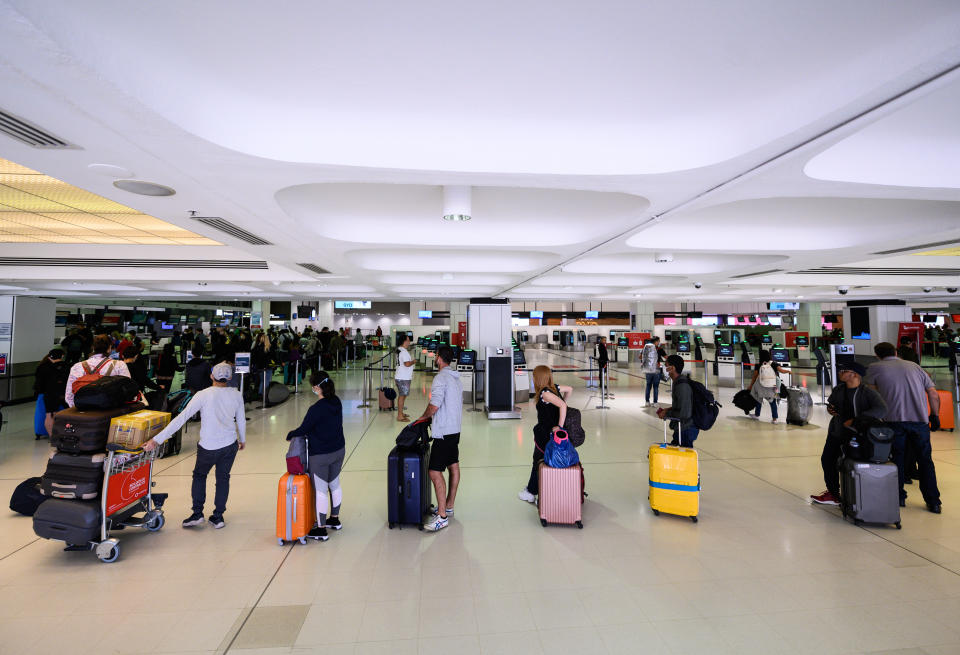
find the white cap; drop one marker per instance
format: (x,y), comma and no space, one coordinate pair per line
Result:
(222,372)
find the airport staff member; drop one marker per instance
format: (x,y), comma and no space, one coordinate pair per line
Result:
(223,432)
(907,390)
(446,409)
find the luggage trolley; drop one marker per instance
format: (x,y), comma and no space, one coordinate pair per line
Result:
(127,480)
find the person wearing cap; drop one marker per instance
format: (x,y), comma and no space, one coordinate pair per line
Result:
(323,429)
(847,401)
(223,431)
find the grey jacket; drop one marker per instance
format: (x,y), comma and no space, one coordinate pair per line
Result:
(866,402)
(681,409)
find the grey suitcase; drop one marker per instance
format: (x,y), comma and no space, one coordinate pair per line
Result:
(77,477)
(798,405)
(73,521)
(870,492)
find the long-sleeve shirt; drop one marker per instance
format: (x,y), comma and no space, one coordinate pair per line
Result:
(113,367)
(681,409)
(851,403)
(222,420)
(322,426)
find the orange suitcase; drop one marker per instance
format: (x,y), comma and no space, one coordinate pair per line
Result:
(947,421)
(561,495)
(295,508)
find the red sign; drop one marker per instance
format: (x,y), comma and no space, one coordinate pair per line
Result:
(3,363)
(635,339)
(913,332)
(127,487)
(462,333)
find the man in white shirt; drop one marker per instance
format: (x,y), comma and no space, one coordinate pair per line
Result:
(446,409)
(222,424)
(404,374)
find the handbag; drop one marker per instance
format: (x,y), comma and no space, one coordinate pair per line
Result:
(560,453)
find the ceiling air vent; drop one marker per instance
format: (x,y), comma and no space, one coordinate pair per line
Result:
(132,263)
(32,135)
(313,268)
(847,270)
(743,275)
(918,247)
(231,229)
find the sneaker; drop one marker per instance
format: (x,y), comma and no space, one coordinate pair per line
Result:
(436,512)
(334,523)
(436,524)
(775,421)
(216,521)
(194,519)
(826,498)
(934,508)
(319,534)
(527,496)
(903,502)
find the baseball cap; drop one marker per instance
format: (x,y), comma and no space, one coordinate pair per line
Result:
(859,369)
(222,372)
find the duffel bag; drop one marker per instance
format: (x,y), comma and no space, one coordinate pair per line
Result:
(107,393)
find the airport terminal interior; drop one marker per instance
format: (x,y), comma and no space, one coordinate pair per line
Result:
(511,181)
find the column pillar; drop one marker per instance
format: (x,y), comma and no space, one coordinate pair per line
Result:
(808,319)
(415,308)
(325,314)
(458,314)
(642,313)
(261,307)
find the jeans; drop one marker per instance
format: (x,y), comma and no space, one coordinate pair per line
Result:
(222,458)
(828,461)
(918,436)
(653,382)
(773,409)
(687,437)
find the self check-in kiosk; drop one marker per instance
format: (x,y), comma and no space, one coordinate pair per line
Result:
(802,343)
(727,366)
(466,365)
(840,353)
(623,352)
(498,394)
(555,340)
(781,356)
(521,378)
(698,347)
(683,349)
(581,341)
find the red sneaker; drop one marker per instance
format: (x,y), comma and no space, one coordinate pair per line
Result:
(826,498)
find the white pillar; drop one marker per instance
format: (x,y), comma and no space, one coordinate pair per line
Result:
(415,308)
(642,312)
(808,319)
(325,314)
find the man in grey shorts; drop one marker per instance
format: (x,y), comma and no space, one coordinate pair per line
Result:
(446,409)
(404,374)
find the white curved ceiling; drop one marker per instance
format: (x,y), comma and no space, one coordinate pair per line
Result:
(687,263)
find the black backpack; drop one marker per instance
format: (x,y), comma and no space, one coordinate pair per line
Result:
(574,428)
(414,434)
(705,407)
(108,392)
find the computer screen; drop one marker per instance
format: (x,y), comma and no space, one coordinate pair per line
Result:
(622,342)
(467,357)
(780,355)
(425,313)
(775,320)
(592,315)
(766,339)
(421,341)
(929,318)
(536,314)
(802,341)
(432,345)
(166,326)
(556,335)
(735,337)
(860,323)
(683,347)
(783,305)
(724,351)
(518,358)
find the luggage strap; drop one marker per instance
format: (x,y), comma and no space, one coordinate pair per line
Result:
(675,487)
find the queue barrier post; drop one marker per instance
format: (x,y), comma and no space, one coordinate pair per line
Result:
(603,388)
(264,389)
(364,391)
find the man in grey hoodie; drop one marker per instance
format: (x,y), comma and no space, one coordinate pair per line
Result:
(680,412)
(848,401)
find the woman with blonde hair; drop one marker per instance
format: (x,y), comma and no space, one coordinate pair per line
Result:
(551,413)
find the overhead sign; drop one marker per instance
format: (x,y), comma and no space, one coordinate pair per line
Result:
(352,304)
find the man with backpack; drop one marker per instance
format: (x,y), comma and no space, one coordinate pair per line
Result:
(693,407)
(99,365)
(650,365)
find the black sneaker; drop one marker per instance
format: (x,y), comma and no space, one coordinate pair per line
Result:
(319,534)
(216,521)
(334,523)
(934,508)
(194,519)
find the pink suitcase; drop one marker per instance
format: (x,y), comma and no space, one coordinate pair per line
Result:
(561,495)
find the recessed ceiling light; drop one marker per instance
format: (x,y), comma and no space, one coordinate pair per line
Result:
(457,201)
(143,188)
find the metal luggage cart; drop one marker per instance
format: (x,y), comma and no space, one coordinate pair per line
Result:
(127,484)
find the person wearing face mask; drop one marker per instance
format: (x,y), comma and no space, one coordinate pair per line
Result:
(323,429)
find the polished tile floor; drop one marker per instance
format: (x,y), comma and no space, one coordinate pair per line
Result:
(762,572)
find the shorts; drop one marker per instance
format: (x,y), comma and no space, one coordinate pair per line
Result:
(403,387)
(445,452)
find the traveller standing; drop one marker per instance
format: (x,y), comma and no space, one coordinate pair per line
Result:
(765,384)
(446,409)
(167,367)
(99,362)
(848,400)
(223,430)
(602,360)
(50,382)
(680,413)
(323,429)
(404,375)
(650,365)
(551,415)
(907,390)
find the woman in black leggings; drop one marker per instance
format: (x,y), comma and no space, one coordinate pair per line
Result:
(551,413)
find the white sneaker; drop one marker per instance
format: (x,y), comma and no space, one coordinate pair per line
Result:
(527,496)
(436,524)
(775,420)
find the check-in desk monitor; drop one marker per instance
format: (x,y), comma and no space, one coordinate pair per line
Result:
(683,349)
(466,365)
(781,356)
(726,365)
(766,340)
(802,343)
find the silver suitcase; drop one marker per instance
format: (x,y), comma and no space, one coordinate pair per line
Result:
(798,405)
(870,492)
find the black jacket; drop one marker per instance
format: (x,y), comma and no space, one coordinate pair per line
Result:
(51,381)
(138,373)
(866,402)
(196,375)
(322,426)
(602,356)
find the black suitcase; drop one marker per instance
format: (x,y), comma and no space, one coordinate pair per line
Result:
(77,477)
(27,497)
(408,485)
(277,392)
(172,445)
(77,431)
(109,391)
(76,522)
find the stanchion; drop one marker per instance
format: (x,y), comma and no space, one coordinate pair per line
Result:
(742,366)
(956,394)
(475,386)
(364,391)
(265,384)
(590,383)
(603,389)
(296,378)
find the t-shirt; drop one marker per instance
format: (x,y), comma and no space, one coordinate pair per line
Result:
(903,386)
(446,394)
(404,372)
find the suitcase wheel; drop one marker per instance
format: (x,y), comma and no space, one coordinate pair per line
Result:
(390,525)
(898,525)
(303,540)
(656,512)
(693,518)
(420,527)
(279,542)
(580,525)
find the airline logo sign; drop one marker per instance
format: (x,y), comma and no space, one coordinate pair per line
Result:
(127,487)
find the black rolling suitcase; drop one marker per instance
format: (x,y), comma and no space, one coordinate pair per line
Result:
(77,431)
(77,477)
(408,485)
(75,522)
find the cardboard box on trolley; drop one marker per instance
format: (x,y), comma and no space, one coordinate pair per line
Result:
(134,430)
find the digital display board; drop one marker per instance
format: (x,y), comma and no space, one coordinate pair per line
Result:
(425,313)
(352,304)
(536,314)
(591,314)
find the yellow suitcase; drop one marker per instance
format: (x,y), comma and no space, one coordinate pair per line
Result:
(674,479)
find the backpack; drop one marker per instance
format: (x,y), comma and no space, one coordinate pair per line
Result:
(705,406)
(573,427)
(414,434)
(90,375)
(767,377)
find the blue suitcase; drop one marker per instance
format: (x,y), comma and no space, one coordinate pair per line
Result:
(408,486)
